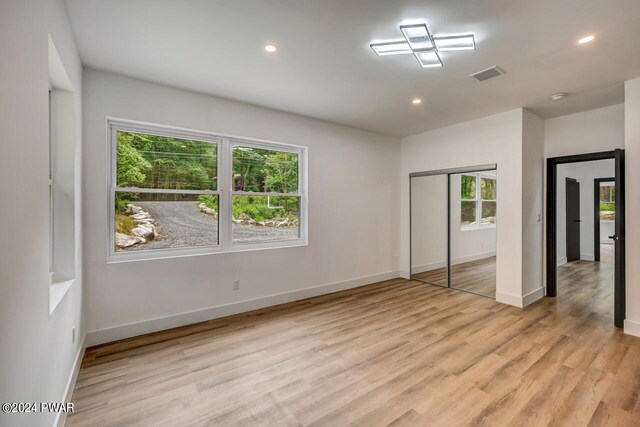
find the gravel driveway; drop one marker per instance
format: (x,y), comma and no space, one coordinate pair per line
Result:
(181,224)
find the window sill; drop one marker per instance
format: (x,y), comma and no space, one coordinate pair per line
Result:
(478,227)
(181,253)
(57,291)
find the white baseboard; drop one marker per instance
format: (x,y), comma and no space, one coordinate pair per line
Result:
(159,324)
(520,301)
(562,261)
(460,260)
(61,417)
(533,296)
(631,328)
(587,257)
(474,257)
(428,267)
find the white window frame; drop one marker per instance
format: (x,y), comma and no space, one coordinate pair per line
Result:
(477,224)
(224,190)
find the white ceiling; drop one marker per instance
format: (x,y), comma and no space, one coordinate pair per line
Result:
(325,69)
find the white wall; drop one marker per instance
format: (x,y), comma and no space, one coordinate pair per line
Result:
(495,139)
(353,222)
(584,173)
(532,205)
(36,352)
(632,204)
(590,131)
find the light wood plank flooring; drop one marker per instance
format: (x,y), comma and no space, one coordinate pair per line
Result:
(398,353)
(477,276)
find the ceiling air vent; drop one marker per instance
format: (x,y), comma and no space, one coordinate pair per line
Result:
(487,74)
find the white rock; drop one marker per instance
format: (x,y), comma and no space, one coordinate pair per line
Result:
(125,241)
(141,215)
(284,223)
(145,231)
(132,209)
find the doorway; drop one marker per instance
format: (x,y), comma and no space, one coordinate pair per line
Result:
(616,253)
(572,219)
(453,228)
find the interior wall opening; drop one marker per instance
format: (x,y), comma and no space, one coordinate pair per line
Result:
(585,232)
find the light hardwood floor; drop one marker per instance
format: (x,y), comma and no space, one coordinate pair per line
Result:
(477,276)
(396,353)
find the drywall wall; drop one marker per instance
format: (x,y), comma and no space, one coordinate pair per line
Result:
(632,204)
(38,355)
(590,131)
(532,205)
(492,140)
(353,222)
(584,173)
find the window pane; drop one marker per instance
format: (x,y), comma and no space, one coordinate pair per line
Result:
(265,218)
(468,187)
(467,213)
(488,188)
(146,221)
(608,211)
(148,161)
(488,213)
(266,171)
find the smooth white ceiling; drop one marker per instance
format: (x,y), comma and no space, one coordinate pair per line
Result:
(325,69)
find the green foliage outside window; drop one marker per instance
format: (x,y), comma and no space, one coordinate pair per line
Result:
(488,188)
(468,187)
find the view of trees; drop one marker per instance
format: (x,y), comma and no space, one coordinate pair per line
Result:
(608,202)
(148,161)
(487,195)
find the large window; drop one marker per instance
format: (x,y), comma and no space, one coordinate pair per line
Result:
(172,193)
(607,201)
(477,200)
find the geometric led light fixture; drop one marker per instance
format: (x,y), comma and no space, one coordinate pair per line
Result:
(423,45)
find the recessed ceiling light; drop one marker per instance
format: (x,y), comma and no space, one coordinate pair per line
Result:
(558,96)
(586,39)
(270,48)
(416,101)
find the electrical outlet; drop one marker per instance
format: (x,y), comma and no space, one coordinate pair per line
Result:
(73,334)
(236,285)
(539,217)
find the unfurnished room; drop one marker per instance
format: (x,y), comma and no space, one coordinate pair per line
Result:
(319,213)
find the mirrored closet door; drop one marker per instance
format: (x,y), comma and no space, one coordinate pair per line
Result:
(453,228)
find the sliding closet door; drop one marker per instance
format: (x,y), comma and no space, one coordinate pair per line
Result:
(473,200)
(429,229)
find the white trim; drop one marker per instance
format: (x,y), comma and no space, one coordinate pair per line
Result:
(520,301)
(533,296)
(154,325)
(587,257)
(477,227)
(473,257)
(461,260)
(562,261)
(631,327)
(61,417)
(57,291)
(224,190)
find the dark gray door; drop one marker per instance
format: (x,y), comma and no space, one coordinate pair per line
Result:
(573,219)
(620,266)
